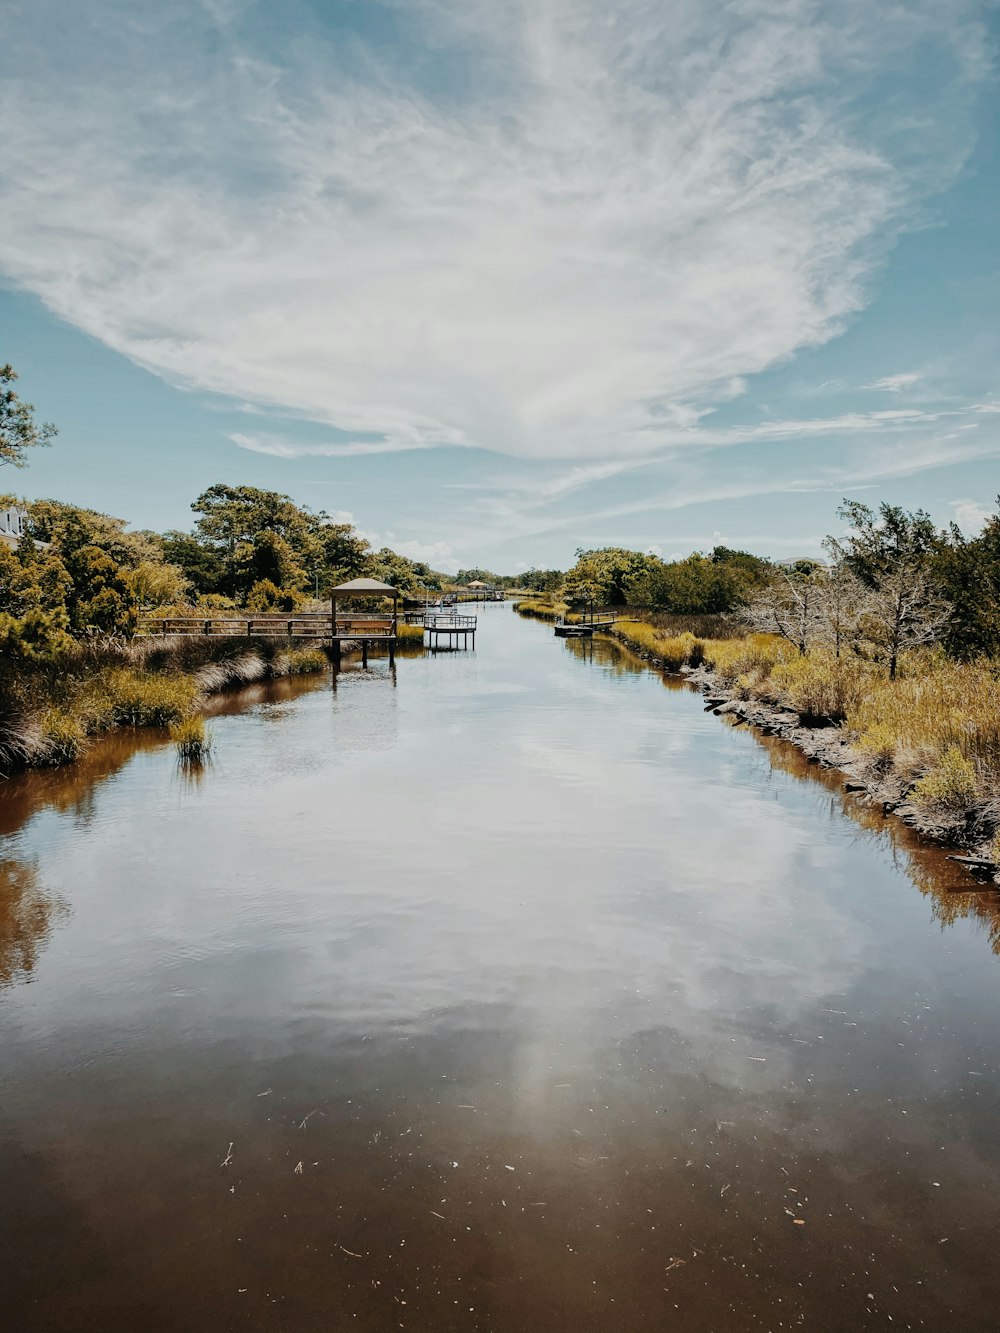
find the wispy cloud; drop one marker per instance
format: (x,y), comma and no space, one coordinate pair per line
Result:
(636,208)
(278,446)
(896,383)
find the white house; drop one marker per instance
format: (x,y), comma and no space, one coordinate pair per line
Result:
(13,525)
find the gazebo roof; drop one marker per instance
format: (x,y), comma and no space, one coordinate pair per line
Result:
(365,588)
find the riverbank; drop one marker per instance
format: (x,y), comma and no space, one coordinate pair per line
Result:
(924,747)
(52,711)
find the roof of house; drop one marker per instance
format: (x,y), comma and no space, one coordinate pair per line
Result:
(366,588)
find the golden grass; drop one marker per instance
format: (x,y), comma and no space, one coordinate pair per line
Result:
(410,633)
(914,722)
(539,608)
(192,739)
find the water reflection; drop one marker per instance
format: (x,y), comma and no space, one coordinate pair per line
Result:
(954,895)
(521,994)
(27,916)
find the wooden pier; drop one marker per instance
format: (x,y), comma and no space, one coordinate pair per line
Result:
(584,629)
(448,625)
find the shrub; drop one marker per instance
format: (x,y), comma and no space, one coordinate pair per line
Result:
(948,788)
(192,739)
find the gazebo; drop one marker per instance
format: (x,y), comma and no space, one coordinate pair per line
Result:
(364,627)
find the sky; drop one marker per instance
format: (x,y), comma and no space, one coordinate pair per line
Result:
(500,279)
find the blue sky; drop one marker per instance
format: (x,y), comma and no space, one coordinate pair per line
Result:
(498,280)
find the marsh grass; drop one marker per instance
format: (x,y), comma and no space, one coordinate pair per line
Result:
(540,608)
(48,714)
(192,740)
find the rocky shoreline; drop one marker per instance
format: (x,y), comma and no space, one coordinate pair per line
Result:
(829,747)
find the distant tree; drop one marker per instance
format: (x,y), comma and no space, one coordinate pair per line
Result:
(19,431)
(606,576)
(538,580)
(696,585)
(409,576)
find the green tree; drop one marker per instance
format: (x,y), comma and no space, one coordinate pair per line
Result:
(606,576)
(202,566)
(968,571)
(19,431)
(697,585)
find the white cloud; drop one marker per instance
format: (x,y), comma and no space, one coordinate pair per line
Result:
(636,209)
(279,447)
(439,555)
(896,383)
(971,516)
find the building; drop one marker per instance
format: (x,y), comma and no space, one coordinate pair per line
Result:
(13,525)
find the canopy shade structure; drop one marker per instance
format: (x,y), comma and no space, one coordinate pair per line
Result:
(365,588)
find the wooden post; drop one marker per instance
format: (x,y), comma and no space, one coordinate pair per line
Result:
(364,653)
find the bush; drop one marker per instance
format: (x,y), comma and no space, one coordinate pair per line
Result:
(949,788)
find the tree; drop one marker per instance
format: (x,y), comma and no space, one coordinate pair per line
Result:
(841,604)
(409,576)
(606,576)
(790,606)
(19,431)
(969,574)
(696,585)
(344,554)
(892,554)
(203,567)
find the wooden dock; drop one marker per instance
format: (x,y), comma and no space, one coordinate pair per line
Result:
(298,627)
(454,629)
(365,629)
(584,629)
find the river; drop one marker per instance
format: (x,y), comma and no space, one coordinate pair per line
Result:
(509,991)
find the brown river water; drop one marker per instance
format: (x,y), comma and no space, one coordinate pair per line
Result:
(511,991)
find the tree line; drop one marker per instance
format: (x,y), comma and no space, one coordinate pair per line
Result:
(893,582)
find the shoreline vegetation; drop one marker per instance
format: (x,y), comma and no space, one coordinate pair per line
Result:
(881,660)
(923,745)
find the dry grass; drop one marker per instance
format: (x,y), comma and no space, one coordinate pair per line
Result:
(913,723)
